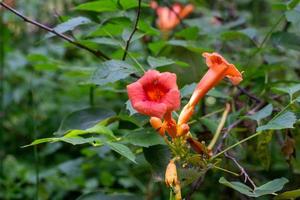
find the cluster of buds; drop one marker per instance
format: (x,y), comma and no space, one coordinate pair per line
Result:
(156,95)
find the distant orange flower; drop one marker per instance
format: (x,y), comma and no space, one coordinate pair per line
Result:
(169,18)
(218,69)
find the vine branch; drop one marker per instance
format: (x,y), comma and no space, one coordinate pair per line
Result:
(97,53)
(134,29)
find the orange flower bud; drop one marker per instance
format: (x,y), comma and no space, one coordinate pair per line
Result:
(171,177)
(157,124)
(182,129)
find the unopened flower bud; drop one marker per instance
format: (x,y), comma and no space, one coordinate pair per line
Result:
(182,129)
(171,178)
(157,124)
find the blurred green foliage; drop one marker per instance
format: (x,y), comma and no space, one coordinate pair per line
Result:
(51,89)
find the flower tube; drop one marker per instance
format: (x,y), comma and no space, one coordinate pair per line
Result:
(218,69)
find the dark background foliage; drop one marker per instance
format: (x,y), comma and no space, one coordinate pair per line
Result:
(45,79)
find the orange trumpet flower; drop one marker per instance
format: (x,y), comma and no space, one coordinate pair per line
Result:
(218,69)
(169,18)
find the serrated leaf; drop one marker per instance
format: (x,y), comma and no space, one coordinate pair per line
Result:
(159,62)
(268,188)
(122,150)
(263,113)
(293,194)
(69,25)
(98,6)
(83,119)
(287,40)
(143,138)
(112,71)
(283,121)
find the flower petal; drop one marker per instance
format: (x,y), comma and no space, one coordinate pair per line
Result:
(136,93)
(172,100)
(151,108)
(234,75)
(149,77)
(168,80)
(188,9)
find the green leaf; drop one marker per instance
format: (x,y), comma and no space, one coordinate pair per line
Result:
(143,138)
(287,40)
(271,187)
(40,141)
(159,62)
(83,119)
(190,33)
(293,16)
(263,150)
(128,4)
(283,121)
(122,150)
(292,4)
(112,71)
(129,107)
(158,156)
(238,186)
(293,194)
(69,25)
(268,188)
(263,113)
(291,90)
(245,34)
(98,129)
(156,47)
(98,6)
(101,195)
(145,27)
(127,32)
(113,27)
(74,140)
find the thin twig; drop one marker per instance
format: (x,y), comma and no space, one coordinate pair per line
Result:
(134,30)
(243,171)
(97,53)
(247,93)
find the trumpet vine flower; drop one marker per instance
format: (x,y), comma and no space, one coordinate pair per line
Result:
(219,68)
(155,94)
